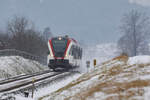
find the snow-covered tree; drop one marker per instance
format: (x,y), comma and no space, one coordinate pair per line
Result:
(136,29)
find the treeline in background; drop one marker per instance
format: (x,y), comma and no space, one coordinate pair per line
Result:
(21,34)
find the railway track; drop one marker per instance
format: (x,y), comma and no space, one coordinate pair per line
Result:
(26,81)
(19,77)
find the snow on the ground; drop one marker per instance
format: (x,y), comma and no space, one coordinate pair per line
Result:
(117,79)
(18,97)
(16,65)
(51,88)
(139,60)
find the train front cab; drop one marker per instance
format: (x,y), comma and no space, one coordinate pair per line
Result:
(70,59)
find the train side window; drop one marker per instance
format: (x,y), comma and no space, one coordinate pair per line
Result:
(71,49)
(75,52)
(78,53)
(81,53)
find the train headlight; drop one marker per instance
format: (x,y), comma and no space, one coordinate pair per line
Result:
(59,38)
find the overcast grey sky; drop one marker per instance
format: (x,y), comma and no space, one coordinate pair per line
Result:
(91,21)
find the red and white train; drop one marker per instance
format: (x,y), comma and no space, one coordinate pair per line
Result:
(64,53)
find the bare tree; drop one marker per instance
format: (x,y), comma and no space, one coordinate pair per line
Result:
(17,28)
(47,34)
(25,37)
(4,40)
(135,29)
(18,25)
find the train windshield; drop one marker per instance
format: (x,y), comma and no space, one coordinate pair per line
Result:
(59,46)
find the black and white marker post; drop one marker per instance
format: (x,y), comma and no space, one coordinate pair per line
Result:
(88,65)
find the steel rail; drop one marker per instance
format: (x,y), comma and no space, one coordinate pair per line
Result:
(20,77)
(26,82)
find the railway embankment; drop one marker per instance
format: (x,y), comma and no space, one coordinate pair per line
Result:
(16,65)
(121,78)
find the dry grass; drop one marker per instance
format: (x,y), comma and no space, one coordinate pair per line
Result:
(115,70)
(111,87)
(128,95)
(121,58)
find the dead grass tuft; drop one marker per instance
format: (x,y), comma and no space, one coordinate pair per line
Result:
(136,83)
(128,95)
(121,58)
(115,70)
(143,65)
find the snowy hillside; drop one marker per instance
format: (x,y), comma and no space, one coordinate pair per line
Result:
(117,79)
(15,65)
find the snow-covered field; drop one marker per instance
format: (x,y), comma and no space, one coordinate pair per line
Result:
(15,65)
(117,79)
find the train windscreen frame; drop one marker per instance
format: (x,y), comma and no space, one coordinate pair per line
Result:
(59,46)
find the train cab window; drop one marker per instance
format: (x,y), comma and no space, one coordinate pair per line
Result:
(59,46)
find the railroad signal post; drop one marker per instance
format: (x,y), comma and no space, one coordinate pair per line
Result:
(88,65)
(94,62)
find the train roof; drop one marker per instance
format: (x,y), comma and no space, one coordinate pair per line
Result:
(64,37)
